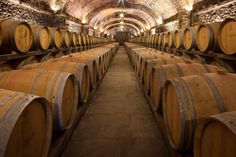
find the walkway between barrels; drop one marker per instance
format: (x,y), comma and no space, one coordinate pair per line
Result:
(118,122)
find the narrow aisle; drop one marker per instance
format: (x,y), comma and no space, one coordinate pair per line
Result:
(118,122)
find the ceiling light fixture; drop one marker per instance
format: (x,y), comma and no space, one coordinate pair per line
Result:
(122,15)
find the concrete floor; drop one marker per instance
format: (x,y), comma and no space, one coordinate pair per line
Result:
(118,122)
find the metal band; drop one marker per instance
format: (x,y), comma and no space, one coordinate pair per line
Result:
(49,87)
(179,70)
(8,121)
(5,100)
(217,95)
(63,66)
(189,105)
(182,107)
(32,90)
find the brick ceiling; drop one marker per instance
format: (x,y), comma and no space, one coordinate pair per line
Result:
(145,13)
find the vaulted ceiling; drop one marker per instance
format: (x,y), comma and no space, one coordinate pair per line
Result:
(141,14)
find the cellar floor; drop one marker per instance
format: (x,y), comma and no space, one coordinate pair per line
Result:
(118,122)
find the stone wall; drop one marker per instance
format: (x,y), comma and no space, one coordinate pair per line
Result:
(214,13)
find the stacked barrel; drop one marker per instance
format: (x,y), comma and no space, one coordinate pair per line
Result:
(195,100)
(42,99)
(217,37)
(22,37)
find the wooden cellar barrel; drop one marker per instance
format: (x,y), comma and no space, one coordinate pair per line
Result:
(178,39)
(80,40)
(90,56)
(88,40)
(91,63)
(16,36)
(56,36)
(84,40)
(186,104)
(60,89)
(74,39)
(207,37)
(163,39)
(227,36)
(150,64)
(170,39)
(171,71)
(189,38)
(41,36)
(66,38)
(26,125)
(80,71)
(218,132)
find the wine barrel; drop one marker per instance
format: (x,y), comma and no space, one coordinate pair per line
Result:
(80,40)
(217,132)
(207,37)
(155,40)
(189,38)
(178,39)
(60,89)
(84,41)
(42,37)
(187,101)
(56,36)
(171,71)
(160,39)
(26,125)
(16,36)
(66,38)
(74,39)
(170,39)
(160,60)
(227,37)
(90,56)
(91,63)
(88,40)
(143,59)
(91,39)
(80,71)
(163,39)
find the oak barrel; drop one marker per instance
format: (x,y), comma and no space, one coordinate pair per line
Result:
(150,64)
(66,38)
(170,39)
(216,136)
(42,37)
(91,63)
(84,40)
(80,40)
(189,38)
(171,71)
(74,38)
(187,101)
(25,125)
(60,89)
(16,36)
(227,36)
(56,36)
(80,71)
(207,37)
(178,39)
